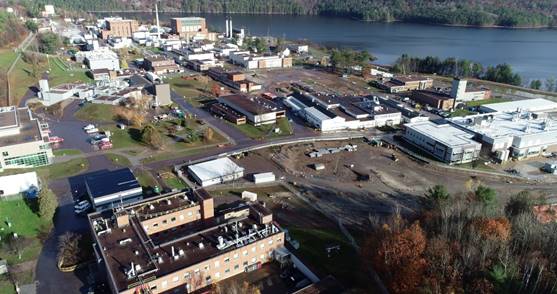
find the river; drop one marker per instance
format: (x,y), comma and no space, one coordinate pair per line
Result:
(531,52)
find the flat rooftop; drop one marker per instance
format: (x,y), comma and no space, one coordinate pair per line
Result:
(252,104)
(434,94)
(531,105)
(12,118)
(177,248)
(214,169)
(447,134)
(111,182)
(506,124)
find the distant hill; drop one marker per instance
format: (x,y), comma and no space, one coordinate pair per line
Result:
(507,13)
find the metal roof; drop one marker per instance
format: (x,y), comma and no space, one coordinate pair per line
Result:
(111,182)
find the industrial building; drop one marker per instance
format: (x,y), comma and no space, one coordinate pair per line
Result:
(178,243)
(405,84)
(215,171)
(50,96)
(444,142)
(235,80)
(250,61)
(191,28)
(528,105)
(435,99)
(258,111)
(225,112)
(24,141)
(460,92)
(518,134)
(112,189)
(100,59)
(329,113)
(159,64)
(118,27)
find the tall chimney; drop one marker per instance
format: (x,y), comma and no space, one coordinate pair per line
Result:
(230,27)
(226,32)
(158,24)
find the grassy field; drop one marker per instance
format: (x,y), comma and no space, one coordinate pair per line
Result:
(145,179)
(95,113)
(194,90)
(6,287)
(127,138)
(267,131)
(345,265)
(21,77)
(7,56)
(24,221)
(55,171)
(460,112)
(172,181)
(118,159)
(487,101)
(66,152)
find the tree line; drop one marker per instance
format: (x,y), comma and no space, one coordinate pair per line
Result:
(501,73)
(467,243)
(510,13)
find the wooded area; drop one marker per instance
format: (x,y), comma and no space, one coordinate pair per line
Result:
(511,13)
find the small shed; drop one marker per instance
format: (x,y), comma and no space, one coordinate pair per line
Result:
(319,166)
(264,178)
(250,196)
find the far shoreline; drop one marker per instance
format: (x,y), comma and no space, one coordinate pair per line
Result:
(333,16)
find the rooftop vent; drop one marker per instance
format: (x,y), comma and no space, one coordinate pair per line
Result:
(201,246)
(125,241)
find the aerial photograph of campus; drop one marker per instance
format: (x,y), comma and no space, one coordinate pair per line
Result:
(278,146)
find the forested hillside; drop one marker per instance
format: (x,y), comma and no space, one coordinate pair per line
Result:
(11,30)
(509,13)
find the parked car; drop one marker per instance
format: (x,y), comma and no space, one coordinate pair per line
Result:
(83,209)
(81,204)
(55,139)
(92,131)
(89,127)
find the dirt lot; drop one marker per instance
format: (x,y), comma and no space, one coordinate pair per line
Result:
(320,80)
(340,191)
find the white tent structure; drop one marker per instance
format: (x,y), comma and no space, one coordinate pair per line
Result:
(20,183)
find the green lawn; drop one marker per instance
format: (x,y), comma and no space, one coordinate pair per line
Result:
(118,159)
(66,152)
(345,265)
(55,171)
(460,112)
(6,287)
(7,56)
(195,91)
(24,221)
(486,101)
(145,179)
(172,181)
(95,113)
(267,131)
(127,138)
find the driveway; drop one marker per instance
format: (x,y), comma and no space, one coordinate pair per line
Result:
(51,280)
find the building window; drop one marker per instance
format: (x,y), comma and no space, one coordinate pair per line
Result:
(155,225)
(206,268)
(186,276)
(164,222)
(190,213)
(262,245)
(245,263)
(253,260)
(32,160)
(236,267)
(217,263)
(235,255)
(245,252)
(226,260)
(262,256)
(227,271)
(173,219)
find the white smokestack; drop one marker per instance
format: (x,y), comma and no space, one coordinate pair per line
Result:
(226,32)
(230,25)
(158,24)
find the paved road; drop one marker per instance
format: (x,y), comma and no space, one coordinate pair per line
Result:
(51,280)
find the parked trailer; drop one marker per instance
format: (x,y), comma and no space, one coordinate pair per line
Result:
(92,131)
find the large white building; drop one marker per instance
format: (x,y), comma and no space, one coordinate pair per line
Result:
(529,105)
(23,142)
(328,113)
(98,59)
(249,61)
(445,142)
(50,96)
(215,171)
(512,134)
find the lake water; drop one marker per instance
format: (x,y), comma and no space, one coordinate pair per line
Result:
(532,53)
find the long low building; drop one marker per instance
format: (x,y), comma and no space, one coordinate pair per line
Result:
(258,111)
(529,105)
(329,113)
(216,171)
(178,243)
(445,142)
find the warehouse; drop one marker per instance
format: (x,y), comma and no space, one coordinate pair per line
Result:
(215,171)
(107,190)
(258,111)
(445,142)
(264,178)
